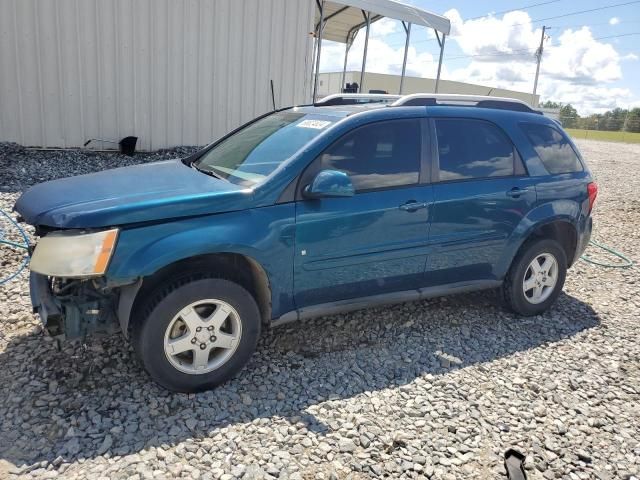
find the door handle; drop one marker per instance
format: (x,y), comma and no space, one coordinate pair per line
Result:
(413,206)
(515,192)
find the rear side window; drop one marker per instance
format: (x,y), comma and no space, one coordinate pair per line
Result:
(553,148)
(379,155)
(470,149)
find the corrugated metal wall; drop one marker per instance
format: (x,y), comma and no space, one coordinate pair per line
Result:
(172,72)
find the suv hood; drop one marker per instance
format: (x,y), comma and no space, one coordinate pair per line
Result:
(140,193)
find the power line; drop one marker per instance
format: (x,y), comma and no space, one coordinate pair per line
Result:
(575,25)
(569,14)
(628,50)
(519,52)
(487,15)
(513,10)
(522,52)
(579,12)
(514,53)
(618,36)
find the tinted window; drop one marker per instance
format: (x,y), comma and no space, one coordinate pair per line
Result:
(251,154)
(473,149)
(380,155)
(553,148)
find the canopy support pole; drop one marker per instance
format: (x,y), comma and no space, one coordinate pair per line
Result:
(407,31)
(441,42)
(367,17)
(313,62)
(319,47)
(347,46)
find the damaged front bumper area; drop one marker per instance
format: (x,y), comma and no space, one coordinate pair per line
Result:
(73,308)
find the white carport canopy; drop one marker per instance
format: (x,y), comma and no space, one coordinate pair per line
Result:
(340,21)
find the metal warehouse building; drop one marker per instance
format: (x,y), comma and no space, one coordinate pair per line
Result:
(172,72)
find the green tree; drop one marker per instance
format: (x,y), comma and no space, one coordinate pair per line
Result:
(569,116)
(632,120)
(550,104)
(613,120)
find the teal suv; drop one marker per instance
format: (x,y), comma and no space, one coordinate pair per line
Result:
(309,211)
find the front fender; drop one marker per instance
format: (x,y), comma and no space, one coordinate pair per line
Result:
(546,213)
(265,235)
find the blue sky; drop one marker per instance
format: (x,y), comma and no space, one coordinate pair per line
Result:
(488,47)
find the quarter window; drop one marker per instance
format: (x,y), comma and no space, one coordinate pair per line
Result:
(379,155)
(553,148)
(472,149)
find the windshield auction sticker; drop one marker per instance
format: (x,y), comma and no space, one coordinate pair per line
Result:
(317,124)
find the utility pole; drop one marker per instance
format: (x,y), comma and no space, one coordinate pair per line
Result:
(539,57)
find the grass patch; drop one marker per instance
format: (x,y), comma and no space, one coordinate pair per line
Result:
(627,137)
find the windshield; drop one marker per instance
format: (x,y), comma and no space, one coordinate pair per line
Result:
(250,155)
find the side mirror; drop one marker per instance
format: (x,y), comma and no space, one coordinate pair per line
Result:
(330,183)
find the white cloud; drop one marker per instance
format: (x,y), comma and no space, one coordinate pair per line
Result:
(579,58)
(384,26)
(499,52)
(493,39)
(587,98)
(614,21)
(384,53)
(575,66)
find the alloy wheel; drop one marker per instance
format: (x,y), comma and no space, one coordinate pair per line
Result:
(540,278)
(203,336)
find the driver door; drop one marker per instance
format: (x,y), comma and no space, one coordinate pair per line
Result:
(375,241)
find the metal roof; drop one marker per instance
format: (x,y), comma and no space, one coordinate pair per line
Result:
(344,17)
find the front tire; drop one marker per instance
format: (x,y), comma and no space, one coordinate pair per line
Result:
(536,277)
(197,333)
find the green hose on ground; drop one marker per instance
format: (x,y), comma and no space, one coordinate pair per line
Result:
(24,246)
(13,244)
(628,262)
(12,222)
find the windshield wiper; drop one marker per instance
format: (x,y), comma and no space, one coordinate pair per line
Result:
(211,173)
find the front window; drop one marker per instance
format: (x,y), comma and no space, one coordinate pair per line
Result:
(378,155)
(253,153)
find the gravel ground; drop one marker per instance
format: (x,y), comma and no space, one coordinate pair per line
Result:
(435,389)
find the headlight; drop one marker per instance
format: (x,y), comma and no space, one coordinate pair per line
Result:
(73,254)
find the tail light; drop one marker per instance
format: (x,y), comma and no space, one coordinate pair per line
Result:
(592,191)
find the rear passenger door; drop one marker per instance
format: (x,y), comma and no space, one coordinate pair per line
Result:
(377,240)
(481,193)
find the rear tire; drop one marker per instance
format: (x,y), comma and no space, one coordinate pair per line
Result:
(196,333)
(536,277)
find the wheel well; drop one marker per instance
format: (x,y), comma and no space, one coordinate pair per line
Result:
(562,232)
(237,268)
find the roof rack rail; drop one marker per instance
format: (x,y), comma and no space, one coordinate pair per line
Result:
(433,99)
(356,99)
